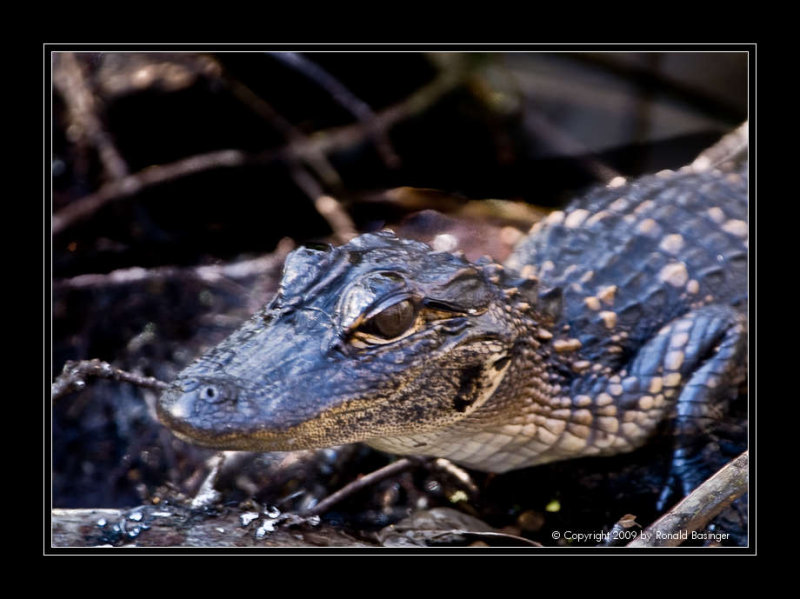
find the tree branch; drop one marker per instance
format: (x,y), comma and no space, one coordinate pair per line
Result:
(72,377)
(69,79)
(358,108)
(308,148)
(699,507)
(210,273)
(359,484)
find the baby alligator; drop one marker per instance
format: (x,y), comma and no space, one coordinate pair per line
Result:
(619,317)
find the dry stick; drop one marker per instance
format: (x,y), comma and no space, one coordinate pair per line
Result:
(73,375)
(485,534)
(731,146)
(461,475)
(68,77)
(699,507)
(567,144)
(210,274)
(544,128)
(127,186)
(207,495)
(360,483)
(344,97)
(329,208)
(318,162)
(616,536)
(321,142)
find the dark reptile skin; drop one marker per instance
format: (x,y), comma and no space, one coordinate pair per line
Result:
(620,255)
(620,316)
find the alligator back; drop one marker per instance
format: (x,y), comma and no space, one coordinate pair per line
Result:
(643,253)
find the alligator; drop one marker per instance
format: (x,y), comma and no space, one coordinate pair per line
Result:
(618,318)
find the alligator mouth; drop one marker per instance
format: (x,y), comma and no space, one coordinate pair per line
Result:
(324,430)
(257,440)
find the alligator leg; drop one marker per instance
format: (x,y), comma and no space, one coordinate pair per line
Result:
(699,358)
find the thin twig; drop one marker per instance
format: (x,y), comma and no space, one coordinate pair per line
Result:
(344,97)
(72,377)
(359,484)
(338,219)
(321,142)
(699,507)
(328,207)
(211,273)
(153,175)
(480,535)
(543,128)
(617,534)
(458,473)
(732,146)
(68,77)
(207,495)
(318,162)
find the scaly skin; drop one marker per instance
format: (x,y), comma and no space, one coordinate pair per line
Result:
(622,316)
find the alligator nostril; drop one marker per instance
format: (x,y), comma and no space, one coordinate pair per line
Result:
(211,393)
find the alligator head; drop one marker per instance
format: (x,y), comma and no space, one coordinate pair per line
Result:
(380,337)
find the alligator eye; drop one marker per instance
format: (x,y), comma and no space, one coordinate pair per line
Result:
(393,321)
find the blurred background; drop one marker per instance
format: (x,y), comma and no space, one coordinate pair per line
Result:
(522,126)
(180,180)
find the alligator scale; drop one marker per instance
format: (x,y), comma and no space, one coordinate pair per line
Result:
(618,317)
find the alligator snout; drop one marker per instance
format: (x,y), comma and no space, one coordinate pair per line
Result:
(191,400)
